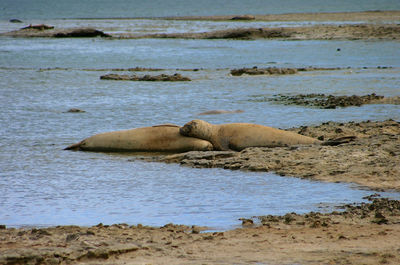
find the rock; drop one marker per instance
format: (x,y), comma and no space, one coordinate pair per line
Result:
(74,110)
(331,102)
(81,33)
(162,77)
(39,27)
(244,17)
(14,20)
(263,71)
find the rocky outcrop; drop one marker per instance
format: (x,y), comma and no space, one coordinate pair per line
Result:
(331,102)
(263,71)
(45,31)
(15,20)
(162,77)
(313,32)
(81,33)
(371,160)
(38,27)
(244,17)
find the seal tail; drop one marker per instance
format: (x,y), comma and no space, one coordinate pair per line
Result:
(339,141)
(74,147)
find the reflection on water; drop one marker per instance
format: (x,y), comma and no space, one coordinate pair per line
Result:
(88,188)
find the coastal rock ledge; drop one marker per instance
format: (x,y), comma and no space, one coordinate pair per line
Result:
(46,31)
(371,160)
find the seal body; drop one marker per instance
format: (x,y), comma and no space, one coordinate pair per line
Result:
(237,136)
(160,138)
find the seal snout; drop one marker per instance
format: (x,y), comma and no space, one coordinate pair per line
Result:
(185,130)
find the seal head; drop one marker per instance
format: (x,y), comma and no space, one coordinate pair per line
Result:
(198,129)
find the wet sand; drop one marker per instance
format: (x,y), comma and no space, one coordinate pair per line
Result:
(362,234)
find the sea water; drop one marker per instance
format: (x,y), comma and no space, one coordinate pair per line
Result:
(41,79)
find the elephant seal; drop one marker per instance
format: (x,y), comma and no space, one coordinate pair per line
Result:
(238,136)
(160,138)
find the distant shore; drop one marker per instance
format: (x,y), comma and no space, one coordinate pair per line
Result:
(371,16)
(379,25)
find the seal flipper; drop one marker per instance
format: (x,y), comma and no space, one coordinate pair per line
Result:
(74,147)
(339,141)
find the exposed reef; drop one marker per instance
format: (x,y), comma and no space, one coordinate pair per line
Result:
(329,101)
(279,70)
(372,159)
(309,32)
(162,77)
(45,31)
(314,32)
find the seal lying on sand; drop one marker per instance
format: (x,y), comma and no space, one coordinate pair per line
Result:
(238,136)
(160,138)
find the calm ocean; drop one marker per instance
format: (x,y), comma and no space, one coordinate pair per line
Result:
(50,9)
(40,79)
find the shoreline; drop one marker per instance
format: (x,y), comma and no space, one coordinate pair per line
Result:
(373,15)
(388,32)
(372,160)
(365,233)
(369,25)
(369,15)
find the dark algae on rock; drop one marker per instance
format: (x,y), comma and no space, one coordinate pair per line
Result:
(162,77)
(324,101)
(379,211)
(263,71)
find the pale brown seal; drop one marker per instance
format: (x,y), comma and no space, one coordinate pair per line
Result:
(160,138)
(237,136)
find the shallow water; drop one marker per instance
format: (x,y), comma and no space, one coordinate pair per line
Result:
(40,79)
